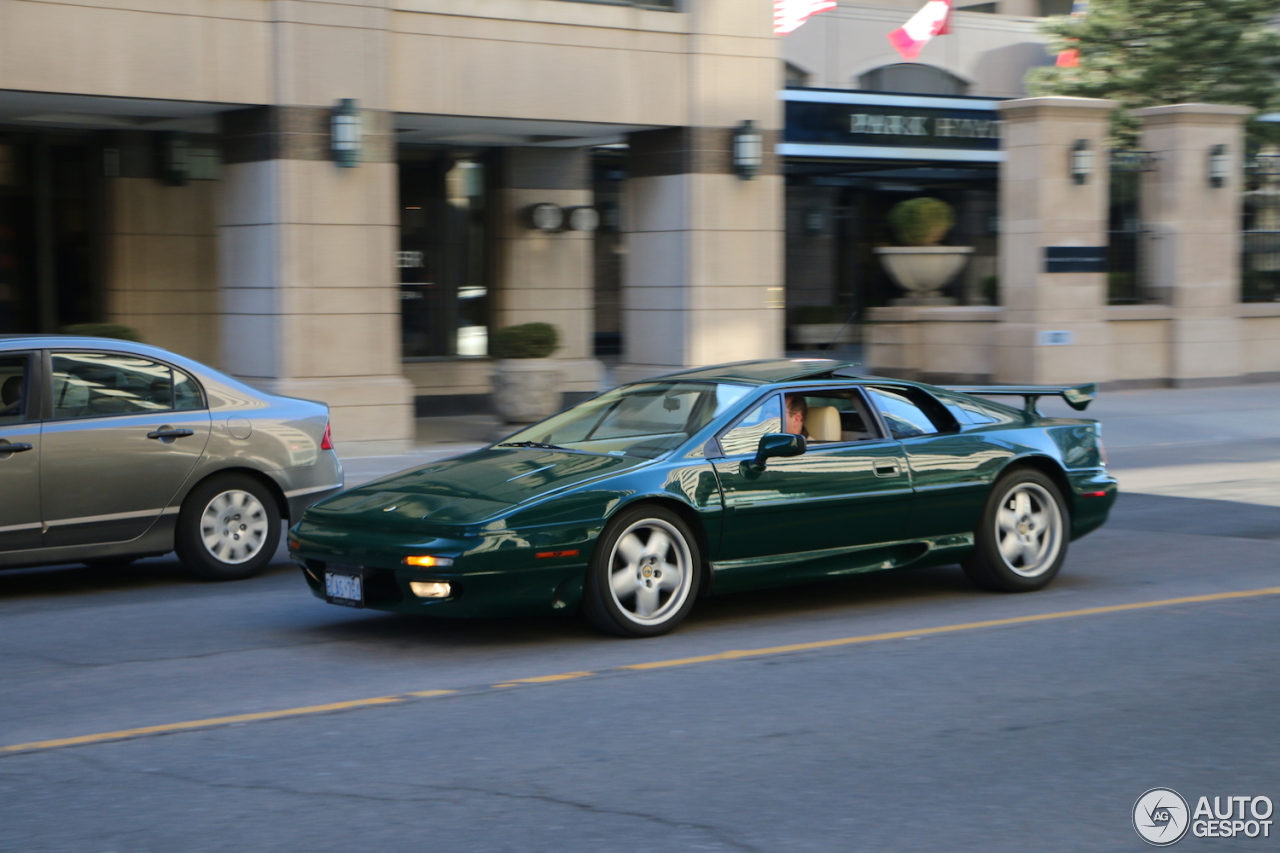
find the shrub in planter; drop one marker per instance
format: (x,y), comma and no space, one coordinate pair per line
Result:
(920,266)
(103,330)
(921,221)
(529,340)
(526,383)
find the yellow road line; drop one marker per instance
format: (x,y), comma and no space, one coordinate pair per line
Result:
(201,724)
(947,629)
(738,654)
(544,679)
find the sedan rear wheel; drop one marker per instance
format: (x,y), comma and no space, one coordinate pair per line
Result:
(228,529)
(1021,541)
(643,575)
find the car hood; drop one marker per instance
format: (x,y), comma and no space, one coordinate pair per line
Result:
(466,489)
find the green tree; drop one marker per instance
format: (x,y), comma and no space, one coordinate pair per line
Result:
(1145,53)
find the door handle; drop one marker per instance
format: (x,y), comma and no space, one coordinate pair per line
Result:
(886,470)
(170,433)
(6,449)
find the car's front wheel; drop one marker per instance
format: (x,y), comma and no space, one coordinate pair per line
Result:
(228,529)
(643,575)
(1021,541)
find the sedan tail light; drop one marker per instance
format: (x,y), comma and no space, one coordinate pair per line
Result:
(326,443)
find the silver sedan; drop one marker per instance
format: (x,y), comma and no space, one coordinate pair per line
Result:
(111,451)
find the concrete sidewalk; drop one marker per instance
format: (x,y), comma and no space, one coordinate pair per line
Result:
(1213,443)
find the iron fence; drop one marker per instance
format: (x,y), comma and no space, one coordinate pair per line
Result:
(1260,226)
(1128,241)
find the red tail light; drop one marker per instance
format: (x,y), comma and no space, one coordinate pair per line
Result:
(326,443)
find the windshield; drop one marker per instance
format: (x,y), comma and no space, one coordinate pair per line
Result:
(645,420)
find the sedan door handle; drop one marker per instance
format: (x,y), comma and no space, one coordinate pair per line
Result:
(170,433)
(886,470)
(15,448)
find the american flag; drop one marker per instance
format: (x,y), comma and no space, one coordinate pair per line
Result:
(788,15)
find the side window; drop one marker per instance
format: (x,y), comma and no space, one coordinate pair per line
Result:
(904,412)
(90,385)
(13,389)
(835,416)
(186,393)
(744,437)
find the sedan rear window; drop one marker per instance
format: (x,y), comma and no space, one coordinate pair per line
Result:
(90,385)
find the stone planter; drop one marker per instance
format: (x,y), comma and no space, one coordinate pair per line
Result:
(923,270)
(526,390)
(821,334)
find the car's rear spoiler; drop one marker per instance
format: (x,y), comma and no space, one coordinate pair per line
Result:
(1078,397)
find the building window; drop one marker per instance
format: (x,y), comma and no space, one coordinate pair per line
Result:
(444,293)
(913,79)
(1055,7)
(796,78)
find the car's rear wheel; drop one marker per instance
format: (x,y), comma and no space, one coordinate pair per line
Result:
(643,575)
(1021,541)
(228,529)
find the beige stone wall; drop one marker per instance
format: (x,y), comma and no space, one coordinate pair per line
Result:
(1261,340)
(308,296)
(192,50)
(540,59)
(162,269)
(1140,347)
(953,343)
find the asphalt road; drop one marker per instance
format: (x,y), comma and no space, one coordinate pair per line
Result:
(881,712)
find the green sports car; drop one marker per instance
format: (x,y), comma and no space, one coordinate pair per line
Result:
(739,476)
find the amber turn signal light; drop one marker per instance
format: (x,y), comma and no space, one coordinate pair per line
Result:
(428,562)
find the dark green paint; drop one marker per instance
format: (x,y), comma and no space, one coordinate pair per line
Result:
(823,513)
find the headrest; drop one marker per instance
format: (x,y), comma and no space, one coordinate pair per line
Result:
(11,390)
(822,423)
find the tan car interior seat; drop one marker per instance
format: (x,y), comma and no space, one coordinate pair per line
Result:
(822,423)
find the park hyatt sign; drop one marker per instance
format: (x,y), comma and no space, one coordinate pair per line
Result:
(937,126)
(941,123)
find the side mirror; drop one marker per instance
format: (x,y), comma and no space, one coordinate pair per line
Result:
(776,444)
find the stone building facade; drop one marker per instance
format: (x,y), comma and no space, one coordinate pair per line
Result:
(169,166)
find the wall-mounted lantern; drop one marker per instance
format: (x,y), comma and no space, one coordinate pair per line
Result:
(748,150)
(583,218)
(345,133)
(1081,161)
(1219,164)
(544,216)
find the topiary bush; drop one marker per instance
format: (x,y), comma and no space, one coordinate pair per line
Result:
(528,340)
(103,330)
(921,221)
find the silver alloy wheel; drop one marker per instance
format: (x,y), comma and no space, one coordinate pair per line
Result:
(234,526)
(1028,530)
(650,571)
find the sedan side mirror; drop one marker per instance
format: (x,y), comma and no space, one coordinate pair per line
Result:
(776,444)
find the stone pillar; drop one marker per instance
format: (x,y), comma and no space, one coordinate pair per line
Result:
(702,277)
(309,296)
(1041,206)
(546,276)
(1196,226)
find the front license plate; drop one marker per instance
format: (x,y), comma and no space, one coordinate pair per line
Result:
(345,589)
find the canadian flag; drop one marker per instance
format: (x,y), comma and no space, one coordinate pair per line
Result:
(788,15)
(933,19)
